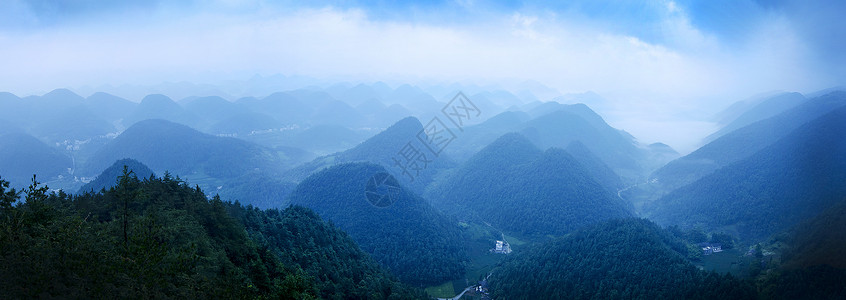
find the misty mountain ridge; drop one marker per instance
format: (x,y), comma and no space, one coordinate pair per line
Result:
(743,142)
(552,124)
(517,187)
(795,178)
(207,160)
(103,116)
(462,150)
(764,109)
(22,155)
(545,176)
(382,149)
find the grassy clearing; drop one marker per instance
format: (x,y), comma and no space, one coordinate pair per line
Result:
(729,261)
(481,239)
(514,241)
(445,290)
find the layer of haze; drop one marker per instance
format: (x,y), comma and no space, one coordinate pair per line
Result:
(663,66)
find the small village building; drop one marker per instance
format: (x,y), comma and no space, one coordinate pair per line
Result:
(710,248)
(501,247)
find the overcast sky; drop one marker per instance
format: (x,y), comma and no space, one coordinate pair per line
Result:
(657,62)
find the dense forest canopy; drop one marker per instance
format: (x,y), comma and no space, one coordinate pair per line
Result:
(793,179)
(408,237)
(515,186)
(160,238)
(619,259)
(111,175)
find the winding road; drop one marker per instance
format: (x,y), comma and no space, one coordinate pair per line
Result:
(459,295)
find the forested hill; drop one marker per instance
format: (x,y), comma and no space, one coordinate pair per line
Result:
(593,165)
(812,264)
(819,240)
(157,106)
(382,149)
(618,259)
(164,145)
(744,142)
(404,234)
(336,266)
(158,238)
(557,125)
(767,108)
(22,155)
(515,186)
(794,179)
(62,115)
(109,177)
(577,122)
(234,168)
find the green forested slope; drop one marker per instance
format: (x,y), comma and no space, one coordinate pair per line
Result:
(618,259)
(409,237)
(159,238)
(516,187)
(791,180)
(744,142)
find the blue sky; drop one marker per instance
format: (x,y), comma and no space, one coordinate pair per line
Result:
(655,61)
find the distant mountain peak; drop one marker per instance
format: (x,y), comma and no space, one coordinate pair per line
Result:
(156,99)
(406,123)
(511,177)
(515,147)
(60,98)
(159,124)
(382,149)
(109,176)
(279,96)
(385,142)
(98,96)
(511,140)
(6,96)
(61,93)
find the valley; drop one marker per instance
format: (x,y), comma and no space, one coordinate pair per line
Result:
(449,149)
(539,200)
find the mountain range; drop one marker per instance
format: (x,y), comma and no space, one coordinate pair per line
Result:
(517,187)
(743,142)
(795,178)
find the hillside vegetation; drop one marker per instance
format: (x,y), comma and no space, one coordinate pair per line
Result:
(160,238)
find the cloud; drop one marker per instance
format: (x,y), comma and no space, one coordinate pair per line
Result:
(332,41)
(650,57)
